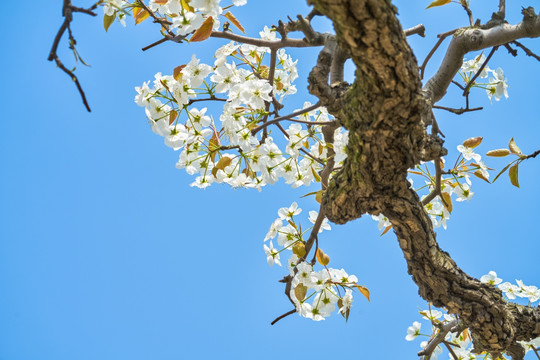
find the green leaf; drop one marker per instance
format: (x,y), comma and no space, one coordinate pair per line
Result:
(438,3)
(501,172)
(108,20)
(513,174)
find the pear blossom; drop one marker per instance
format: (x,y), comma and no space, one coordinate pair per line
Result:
(498,86)
(463,191)
(272,255)
(413,331)
(324,225)
(431,314)
(491,278)
(287,213)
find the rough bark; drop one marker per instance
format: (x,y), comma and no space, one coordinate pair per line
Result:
(387,112)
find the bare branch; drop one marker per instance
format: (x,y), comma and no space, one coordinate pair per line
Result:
(472,39)
(67,13)
(444,329)
(441,37)
(459,111)
(418,29)
(283,316)
(528,52)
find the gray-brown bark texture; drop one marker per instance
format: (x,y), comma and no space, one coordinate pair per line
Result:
(386,113)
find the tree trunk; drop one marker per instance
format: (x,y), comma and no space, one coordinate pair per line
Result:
(387,113)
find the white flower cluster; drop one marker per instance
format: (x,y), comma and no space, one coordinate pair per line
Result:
(316,293)
(234,151)
(185,18)
(462,341)
(511,291)
(495,87)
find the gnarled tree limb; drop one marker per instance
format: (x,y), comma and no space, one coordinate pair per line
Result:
(386,112)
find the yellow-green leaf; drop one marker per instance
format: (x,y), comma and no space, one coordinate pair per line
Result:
(513,147)
(438,3)
(473,142)
(108,20)
(299,249)
(322,257)
(204,31)
(447,201)
(300,292)
(501,172)
(315,175)
(513,174)
(141,15)
(318,196)
(363,290)
(186,6)
(498,153)
(234,21)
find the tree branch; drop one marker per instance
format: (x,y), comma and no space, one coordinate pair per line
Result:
(67,13)
(471,39)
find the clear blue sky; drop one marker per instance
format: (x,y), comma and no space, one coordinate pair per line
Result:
(107,253)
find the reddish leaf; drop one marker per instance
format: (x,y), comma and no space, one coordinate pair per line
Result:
(172,116)
(204,31)
(177,73)
(386,230)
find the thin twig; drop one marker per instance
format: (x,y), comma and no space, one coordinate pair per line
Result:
(452,326)
(271,74)
(67,13)
(511,50)
(528,52)
(289,117)
(439,42)
(457,111)
(533,155)
(450,350)
(162,22)
(471,83)
(469,12)
(283,316)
